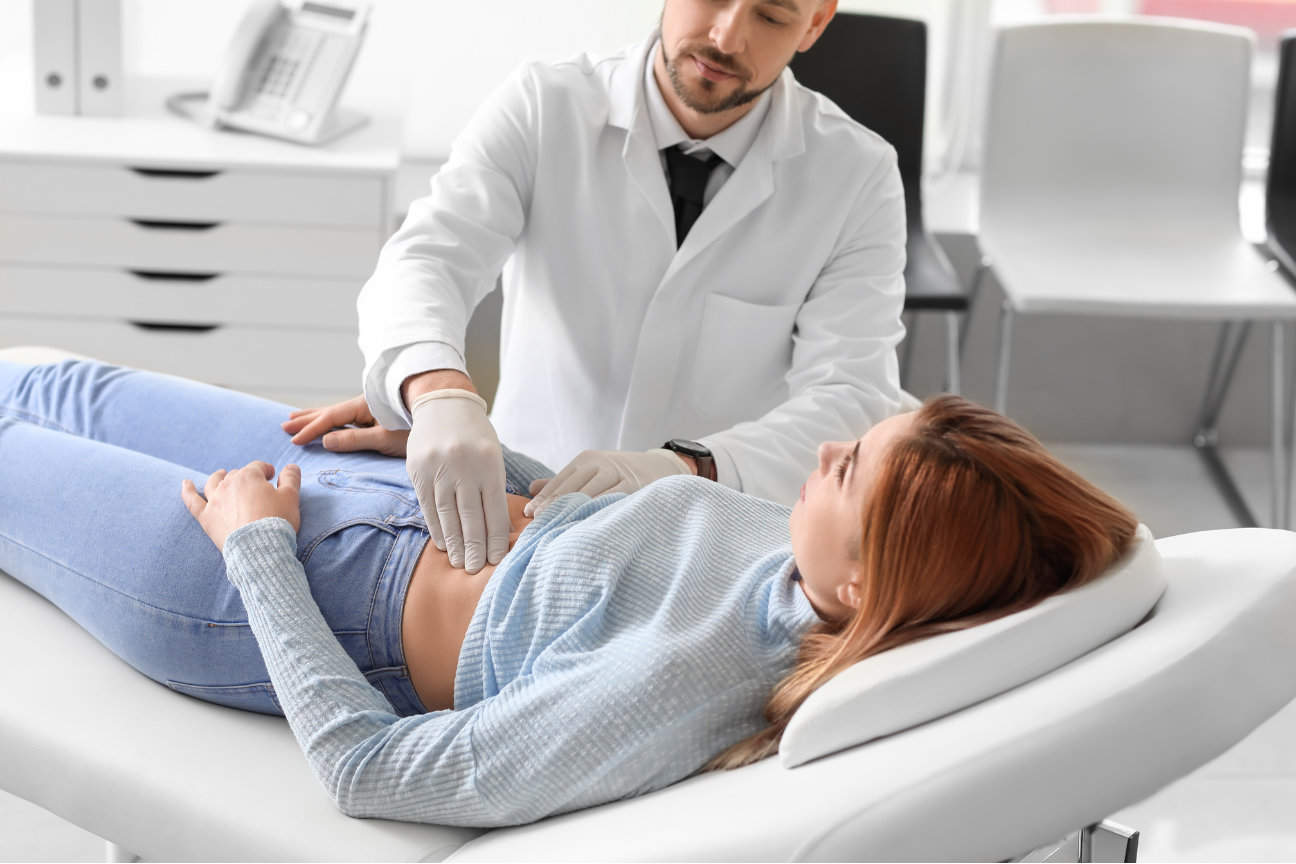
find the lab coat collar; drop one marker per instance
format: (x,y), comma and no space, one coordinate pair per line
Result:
(780,137)
(628,110)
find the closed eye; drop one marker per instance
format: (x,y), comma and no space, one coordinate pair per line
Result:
(841,469)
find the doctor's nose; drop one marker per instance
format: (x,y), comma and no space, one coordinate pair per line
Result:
(727,33)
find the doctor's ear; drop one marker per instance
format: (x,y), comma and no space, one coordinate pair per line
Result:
(818,21)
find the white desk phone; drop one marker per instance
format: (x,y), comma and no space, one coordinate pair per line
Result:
(284,69)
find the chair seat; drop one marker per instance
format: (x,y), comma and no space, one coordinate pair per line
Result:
(930,280)
(1134,275)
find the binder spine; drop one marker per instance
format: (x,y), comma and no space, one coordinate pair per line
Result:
(100,57)
(54,31)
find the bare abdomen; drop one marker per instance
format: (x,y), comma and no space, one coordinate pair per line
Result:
(439,606)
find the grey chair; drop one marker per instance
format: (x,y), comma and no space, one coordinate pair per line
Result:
(874,68)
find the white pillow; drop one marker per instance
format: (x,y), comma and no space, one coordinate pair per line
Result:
(932,677)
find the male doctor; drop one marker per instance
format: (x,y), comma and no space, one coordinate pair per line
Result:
(696,250)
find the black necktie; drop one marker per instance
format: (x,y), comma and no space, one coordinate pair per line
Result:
(688,181)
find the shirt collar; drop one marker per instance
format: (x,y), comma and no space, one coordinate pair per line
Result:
(729,144)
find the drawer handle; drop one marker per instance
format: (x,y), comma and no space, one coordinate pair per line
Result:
(174,173)
(175,226)
(180,328)
(173,277)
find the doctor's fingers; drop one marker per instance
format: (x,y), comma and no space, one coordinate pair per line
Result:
(498,525)
(569,479)
(485,528)
(447,514)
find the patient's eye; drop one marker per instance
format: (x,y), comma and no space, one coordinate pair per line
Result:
(841,469)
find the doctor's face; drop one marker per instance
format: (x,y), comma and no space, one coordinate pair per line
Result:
(722,54)
(827,519)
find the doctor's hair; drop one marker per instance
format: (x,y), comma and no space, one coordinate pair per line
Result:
(970,519)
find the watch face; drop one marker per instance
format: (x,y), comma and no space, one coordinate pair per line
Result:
(688,448)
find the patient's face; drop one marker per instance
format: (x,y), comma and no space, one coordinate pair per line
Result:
(827,519)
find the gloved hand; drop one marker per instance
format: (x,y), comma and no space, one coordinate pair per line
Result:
(457,467)
(597,472)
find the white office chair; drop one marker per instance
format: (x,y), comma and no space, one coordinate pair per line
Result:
(1112,166)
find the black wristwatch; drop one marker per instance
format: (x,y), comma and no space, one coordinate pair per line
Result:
(705,461)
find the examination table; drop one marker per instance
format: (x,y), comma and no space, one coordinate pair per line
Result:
(980,776)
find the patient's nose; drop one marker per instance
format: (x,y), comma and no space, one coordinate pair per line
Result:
(826,452)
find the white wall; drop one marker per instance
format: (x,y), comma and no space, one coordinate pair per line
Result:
(434,60)
(431,60)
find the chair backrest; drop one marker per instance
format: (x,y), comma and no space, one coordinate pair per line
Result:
(1130,121)
(1280,188)
(875,68)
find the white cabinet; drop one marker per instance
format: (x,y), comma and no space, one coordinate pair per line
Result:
(150,241)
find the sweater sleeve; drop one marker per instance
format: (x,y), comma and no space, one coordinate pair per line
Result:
(587,734)
(372,761)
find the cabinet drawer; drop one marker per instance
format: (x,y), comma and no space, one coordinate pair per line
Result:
(244,358)
(220,247)
(230,195)
(191,298)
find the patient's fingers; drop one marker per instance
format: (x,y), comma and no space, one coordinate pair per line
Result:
(193,501)
(267,470)
(344,440)
(213,482)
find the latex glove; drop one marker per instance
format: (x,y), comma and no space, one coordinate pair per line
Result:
(598,472)
(457,468)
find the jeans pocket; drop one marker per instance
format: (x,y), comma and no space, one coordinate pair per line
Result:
(258,696)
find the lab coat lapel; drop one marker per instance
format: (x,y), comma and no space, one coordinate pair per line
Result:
(752,182)
(627,111)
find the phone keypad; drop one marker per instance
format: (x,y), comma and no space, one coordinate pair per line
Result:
(281,77)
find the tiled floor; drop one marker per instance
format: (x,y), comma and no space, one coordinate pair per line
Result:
(1241,807)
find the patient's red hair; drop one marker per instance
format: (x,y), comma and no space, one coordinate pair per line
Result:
(969,519)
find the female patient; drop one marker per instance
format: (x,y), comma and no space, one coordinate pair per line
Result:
(624,643)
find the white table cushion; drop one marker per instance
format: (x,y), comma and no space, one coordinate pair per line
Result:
(168,777)
(922,680)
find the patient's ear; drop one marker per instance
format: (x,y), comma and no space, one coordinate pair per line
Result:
(848,592)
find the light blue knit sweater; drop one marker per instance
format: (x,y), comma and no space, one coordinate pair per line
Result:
(622,643)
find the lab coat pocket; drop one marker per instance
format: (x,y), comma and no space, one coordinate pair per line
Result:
(743,353)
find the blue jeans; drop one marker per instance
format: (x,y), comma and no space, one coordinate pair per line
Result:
(91,461)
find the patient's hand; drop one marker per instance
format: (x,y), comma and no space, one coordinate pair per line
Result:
(307,424)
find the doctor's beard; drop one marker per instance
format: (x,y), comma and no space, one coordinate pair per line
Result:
(741,96)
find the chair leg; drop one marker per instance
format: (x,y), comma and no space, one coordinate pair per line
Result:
(1290,431)
(1228,349)
(906,350)
(1232,339)
(1278,433)
(1005,355)
(952,382)
(983,267)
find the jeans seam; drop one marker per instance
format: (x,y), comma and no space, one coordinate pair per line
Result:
(111,588)
(322,478)
(373,598)
(35,419)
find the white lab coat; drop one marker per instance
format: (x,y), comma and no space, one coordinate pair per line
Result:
(773,328)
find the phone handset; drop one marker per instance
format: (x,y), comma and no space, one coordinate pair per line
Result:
(249,38)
